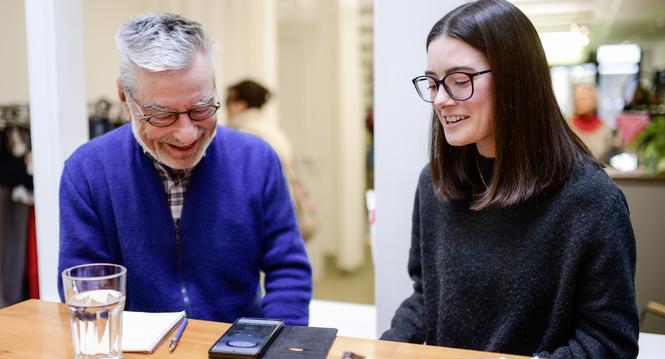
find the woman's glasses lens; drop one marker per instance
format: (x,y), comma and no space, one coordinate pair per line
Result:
(457,85)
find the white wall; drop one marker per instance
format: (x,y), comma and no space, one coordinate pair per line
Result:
(244,32)
(350,143)
(14,69)
(646,201)
(653,58)
(401,135)
(58,119)
(320,110)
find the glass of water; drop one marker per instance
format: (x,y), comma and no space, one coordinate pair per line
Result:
(95,295)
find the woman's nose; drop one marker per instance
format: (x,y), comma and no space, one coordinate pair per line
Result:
(442,98)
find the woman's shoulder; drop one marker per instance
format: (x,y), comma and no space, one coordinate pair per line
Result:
(589,184)
(425,191)
(425,174)
(425,183)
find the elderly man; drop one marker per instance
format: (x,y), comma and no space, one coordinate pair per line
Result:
(195,211)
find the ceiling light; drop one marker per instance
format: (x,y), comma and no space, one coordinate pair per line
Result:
(564,47)
(617,69)
(618,54)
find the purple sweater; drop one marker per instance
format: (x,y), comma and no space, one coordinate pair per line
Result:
(237,221)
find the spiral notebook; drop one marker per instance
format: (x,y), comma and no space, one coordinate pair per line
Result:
(143,332)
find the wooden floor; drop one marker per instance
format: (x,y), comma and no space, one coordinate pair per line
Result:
(341,286)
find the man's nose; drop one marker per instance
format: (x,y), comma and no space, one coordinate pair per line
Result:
(185,131)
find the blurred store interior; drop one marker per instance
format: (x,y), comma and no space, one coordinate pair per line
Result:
(608,64)
(318,58)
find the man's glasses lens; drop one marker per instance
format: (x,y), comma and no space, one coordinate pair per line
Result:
(202,113)
(196,114)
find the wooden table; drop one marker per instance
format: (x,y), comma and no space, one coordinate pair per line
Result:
(39,329)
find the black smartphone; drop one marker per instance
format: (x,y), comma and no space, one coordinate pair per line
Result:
(247,338)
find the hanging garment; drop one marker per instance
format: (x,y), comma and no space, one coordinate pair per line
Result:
(13,235)
(16,196)
(13,169)
(31,263)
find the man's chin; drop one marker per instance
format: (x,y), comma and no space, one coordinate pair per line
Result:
(181,160)
(182,163)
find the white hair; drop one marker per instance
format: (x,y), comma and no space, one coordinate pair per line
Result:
(160,42)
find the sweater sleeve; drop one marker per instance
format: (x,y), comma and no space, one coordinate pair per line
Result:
(288,276)
(408,323)
(606,324)
(81,235)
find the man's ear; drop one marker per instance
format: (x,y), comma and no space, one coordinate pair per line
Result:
(121,92)
(123,100)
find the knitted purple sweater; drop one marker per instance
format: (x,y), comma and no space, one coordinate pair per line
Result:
(237,221)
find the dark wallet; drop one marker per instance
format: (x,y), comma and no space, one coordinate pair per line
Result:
(301,343)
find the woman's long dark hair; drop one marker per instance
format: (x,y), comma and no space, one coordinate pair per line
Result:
(536,150)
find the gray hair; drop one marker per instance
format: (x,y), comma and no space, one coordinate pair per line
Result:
(160,42)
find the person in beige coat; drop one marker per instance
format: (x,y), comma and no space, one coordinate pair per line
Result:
(244,101)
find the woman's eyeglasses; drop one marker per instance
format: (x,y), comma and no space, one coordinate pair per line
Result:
(458,85)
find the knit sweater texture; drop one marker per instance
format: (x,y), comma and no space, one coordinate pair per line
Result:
(237,221)
(552,276)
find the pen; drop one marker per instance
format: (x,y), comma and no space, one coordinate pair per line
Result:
(176,338)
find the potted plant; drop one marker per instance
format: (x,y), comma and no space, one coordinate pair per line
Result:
(650,145)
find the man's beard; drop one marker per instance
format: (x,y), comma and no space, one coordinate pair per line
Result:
(165,158)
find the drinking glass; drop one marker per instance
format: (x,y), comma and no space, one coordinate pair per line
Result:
(95,296)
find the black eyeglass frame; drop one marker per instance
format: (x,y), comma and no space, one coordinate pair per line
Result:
(442,82)
(217,105)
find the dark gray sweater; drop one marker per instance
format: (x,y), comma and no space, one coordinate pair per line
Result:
(553,276)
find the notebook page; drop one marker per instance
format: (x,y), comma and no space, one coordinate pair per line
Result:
(143,332)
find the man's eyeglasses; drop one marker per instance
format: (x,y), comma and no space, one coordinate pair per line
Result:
(458,85)
(167,118)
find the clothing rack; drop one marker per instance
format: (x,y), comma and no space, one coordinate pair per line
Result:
(105,108)
(103,115)
(18,274)
(15,116)
(17,229)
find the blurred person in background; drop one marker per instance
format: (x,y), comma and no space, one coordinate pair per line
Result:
(588,126)
(244,103)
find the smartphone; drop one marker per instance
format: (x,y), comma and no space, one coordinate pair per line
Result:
(247,338)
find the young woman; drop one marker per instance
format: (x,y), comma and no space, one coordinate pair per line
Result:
(521,243)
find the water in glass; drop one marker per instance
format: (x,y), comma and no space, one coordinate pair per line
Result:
(96,320)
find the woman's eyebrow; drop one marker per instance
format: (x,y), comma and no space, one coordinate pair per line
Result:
(452,69)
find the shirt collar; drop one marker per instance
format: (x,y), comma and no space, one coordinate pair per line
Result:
(174,174)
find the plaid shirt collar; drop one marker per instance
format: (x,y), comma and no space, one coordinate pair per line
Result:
(175,185)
